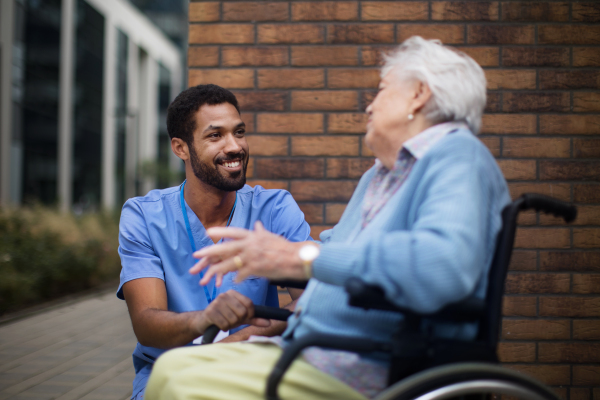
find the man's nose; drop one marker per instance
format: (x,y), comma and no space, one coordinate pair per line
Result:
(232,145)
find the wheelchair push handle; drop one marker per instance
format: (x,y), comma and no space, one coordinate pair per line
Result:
(549,205)
(279,314)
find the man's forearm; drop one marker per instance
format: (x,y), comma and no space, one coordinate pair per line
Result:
(166,329)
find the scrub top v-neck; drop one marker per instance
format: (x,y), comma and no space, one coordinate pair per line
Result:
(153,243)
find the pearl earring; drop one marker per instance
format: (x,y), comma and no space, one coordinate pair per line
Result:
(411,117)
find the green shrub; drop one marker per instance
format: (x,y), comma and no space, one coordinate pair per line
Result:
(45,254)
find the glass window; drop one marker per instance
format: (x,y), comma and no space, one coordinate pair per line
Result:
(121,115)
(164,143)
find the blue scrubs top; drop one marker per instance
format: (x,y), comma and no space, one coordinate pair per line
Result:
(153,243)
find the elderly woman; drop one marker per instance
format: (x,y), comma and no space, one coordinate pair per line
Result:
(422,224)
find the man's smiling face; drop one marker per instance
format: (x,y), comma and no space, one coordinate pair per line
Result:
(219,153)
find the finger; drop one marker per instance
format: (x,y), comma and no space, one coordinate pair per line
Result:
(219,280)
(229,233)
(260,322)
(221,250)
(258,227)
(222,268)
(200,265)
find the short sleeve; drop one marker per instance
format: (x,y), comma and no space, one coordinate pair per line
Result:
(138,258)
(288,221)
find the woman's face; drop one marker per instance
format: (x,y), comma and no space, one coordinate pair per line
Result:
(388,117)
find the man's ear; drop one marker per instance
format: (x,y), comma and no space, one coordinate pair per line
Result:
(180,148)
(422,96)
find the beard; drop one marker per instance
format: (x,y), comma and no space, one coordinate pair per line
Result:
(210,174)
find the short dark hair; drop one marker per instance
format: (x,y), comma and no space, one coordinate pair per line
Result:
(180,114)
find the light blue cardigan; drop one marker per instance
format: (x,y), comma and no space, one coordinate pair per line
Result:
(430,245)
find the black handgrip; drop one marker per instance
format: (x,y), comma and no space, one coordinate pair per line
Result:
(549,205)
(290,283)
(279,314)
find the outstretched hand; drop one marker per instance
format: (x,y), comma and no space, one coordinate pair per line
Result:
(258,253)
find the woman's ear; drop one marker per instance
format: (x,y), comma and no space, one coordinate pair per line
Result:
(422,96)
(180,148)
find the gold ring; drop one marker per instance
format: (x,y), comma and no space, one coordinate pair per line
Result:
(237,260)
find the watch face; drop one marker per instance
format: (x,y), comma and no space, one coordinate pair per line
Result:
(309,252)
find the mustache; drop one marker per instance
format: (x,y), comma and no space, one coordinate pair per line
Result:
(239,156)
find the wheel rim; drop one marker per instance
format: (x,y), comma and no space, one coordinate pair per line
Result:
(482,386)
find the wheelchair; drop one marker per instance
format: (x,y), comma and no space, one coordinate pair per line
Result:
(421,367)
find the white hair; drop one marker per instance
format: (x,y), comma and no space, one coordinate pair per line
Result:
(456,81)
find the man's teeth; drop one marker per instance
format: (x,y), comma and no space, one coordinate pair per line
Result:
(231,164)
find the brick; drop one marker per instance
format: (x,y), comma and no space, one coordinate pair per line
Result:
(527,218)
(348,167)
(569,352)
(568,34)
(484,56)
(569,79)
(535,11)
(464,10)
(313,213)
(345,78)
(509,124)
(347,123)
(586,102)
(586,12)
(248,118)
(284,185)
(324,100)
(586,57)
(548,374)
(560,191)
(537,102)
(569,261)
(518,170)
(587,215)
(322,190)
(254,56)
(373,55)
(288,33)
(325,11)
(510,79)
(204,11)
(291,78)
(586,238)
(585,329)
(290,123)
(535,57)
(325,146)
(394,11)
(447,33)
(536,147)
(289,168)
(586,193)
(205,56)
(360,33)
(534,283)
(316,230)
(517,306)
(586,283)
(255,11)
(333,212)
(261,101)
(493,144)
(250,168)
(500,34)
(561,392)
(586,148)
(221,34)
(586,375)
(366,98)
(523,260)
(569,170)
(324,55)
(570,306)
(542,238)
(227,78)
(268,145)
(493,103)
(538,329)
(516,352)
(570,124)
(579,394)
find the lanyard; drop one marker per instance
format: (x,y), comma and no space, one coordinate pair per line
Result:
(191,237)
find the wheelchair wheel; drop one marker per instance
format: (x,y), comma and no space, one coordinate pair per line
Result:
(465,379)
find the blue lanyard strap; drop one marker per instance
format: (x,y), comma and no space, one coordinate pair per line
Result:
(209,298)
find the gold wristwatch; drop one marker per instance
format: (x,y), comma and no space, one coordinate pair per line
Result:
(308,253)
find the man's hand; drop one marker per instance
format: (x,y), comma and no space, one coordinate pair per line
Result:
(229,310)
(258,253)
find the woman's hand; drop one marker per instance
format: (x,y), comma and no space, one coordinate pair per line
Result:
(258,252)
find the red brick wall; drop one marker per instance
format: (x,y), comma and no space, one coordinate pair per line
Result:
(304,72)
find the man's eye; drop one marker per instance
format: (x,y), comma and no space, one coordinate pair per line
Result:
(213,135)
(240,132)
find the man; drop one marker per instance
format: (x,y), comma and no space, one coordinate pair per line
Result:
(159,232)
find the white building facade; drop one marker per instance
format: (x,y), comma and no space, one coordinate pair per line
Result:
(84,86)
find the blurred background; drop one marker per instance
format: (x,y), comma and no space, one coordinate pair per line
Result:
(84,87)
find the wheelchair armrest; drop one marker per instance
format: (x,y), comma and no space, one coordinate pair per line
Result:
(290,283)
(368,297)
